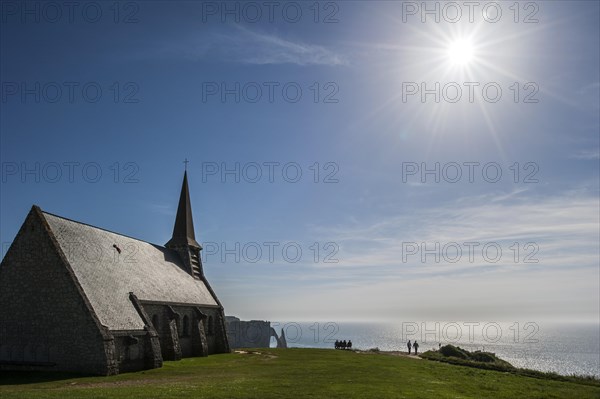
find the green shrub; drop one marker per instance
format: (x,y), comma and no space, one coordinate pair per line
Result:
(454,351)
(489,361)
(484,357)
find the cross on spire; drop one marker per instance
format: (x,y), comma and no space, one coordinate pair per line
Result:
(186,162)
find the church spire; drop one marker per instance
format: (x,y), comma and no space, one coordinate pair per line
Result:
(183,231)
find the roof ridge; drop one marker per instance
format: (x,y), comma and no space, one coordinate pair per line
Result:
(101,228)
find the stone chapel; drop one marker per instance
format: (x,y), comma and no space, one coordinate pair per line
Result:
(75,297)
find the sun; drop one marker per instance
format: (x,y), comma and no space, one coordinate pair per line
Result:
(460,52)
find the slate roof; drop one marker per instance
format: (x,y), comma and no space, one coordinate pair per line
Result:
(151,272)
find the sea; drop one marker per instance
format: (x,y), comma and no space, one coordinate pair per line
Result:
(563,348)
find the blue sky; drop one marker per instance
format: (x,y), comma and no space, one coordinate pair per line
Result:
(163,71)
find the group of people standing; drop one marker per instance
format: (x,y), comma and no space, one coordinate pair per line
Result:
(413,345)
(348,345)
(343,344)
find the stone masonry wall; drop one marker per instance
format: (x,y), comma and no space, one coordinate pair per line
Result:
(131,350)
(44,320)
(162,315)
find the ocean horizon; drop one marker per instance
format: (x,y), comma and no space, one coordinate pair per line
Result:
(564,348)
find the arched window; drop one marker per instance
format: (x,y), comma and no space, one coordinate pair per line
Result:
(155,322)
(186,326)
(211,326)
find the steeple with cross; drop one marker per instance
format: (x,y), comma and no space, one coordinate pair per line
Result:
(184,237)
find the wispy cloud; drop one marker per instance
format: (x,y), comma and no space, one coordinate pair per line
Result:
(593,87)
(162,209)
(371,281)
(587,154)
(242,45)
(260,48)
(564,228)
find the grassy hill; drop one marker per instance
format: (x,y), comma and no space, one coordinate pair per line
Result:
(295,373)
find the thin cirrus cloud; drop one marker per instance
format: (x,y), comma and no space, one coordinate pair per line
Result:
(564,228)
(372,279)
(241,45)
(587,154)
(555,233)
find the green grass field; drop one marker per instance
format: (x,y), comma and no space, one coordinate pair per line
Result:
(295,373)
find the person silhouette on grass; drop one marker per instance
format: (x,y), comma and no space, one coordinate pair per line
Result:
(409,346)
(416,346)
